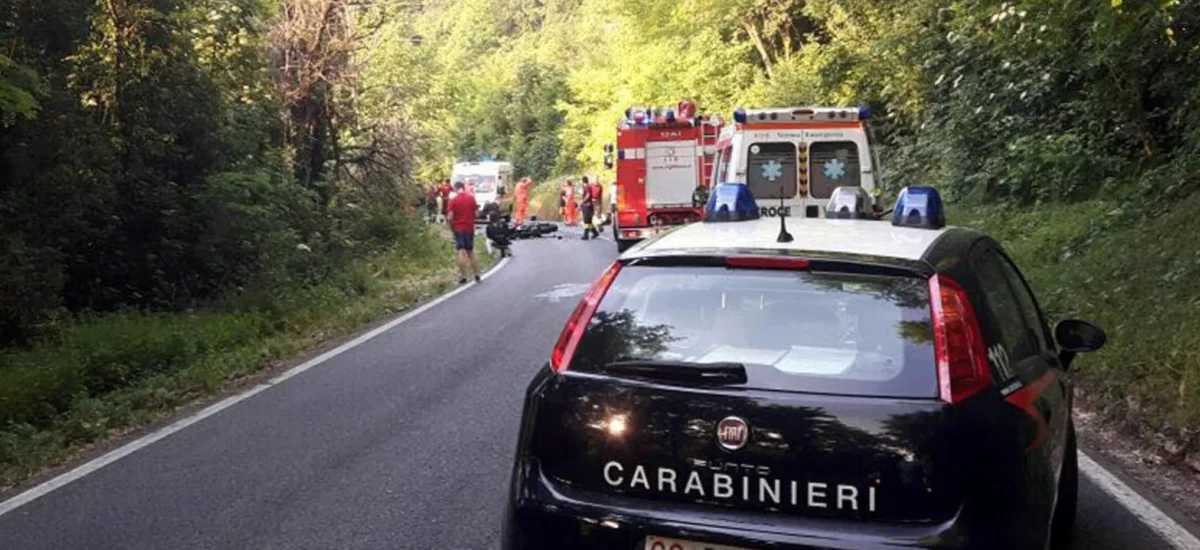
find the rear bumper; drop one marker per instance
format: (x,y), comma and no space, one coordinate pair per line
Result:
(544,515)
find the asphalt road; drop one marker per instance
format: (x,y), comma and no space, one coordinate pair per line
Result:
(402,442)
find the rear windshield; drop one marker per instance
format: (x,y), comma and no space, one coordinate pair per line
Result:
(796,331)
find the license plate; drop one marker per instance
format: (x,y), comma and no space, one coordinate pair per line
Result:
(659,543)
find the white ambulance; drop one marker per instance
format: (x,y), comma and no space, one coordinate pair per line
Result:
(488,180)
(793,158)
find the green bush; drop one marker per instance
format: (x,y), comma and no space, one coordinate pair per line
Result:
(94,357)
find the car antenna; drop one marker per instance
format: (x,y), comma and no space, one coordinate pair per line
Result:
(784,236)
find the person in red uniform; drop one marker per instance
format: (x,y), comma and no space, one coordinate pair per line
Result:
(598,204)
(521,200)
(444,196)
(461,213)
(572,209)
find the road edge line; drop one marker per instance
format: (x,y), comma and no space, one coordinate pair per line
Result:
(127,449)
(1145,511)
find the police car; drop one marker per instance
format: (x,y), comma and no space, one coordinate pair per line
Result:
(832,383)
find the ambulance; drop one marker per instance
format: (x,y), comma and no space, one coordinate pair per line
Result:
(664,158)
(488,180)
(793,158)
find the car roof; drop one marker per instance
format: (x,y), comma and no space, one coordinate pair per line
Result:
(850,237)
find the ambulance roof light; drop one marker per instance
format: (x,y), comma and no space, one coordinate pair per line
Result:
(864,113)
(919,206)
(730,202)
(739,115)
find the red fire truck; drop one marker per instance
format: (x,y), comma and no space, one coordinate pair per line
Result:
(664,158)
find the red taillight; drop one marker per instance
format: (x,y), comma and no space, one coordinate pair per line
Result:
(958,343)
(564,349)
(767,263)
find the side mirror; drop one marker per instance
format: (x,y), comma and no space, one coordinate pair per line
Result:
(1076,336)
(608,156)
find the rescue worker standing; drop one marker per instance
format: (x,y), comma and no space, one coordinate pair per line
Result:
(572,208)
(588,204)
(461,213)
(597,203)
(521,200)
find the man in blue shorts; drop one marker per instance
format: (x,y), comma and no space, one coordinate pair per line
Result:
(461,215)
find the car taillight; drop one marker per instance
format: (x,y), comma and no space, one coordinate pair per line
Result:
(568,340)
(958,343)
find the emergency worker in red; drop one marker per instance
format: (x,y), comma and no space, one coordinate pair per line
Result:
(521,200)
(572,206)
(597,192)
(461,214)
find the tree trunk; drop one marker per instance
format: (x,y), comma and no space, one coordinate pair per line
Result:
(756,38)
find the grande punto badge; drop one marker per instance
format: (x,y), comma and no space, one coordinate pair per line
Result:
(733,433)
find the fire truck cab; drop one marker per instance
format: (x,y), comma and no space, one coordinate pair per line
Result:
(664,158)
(793,158)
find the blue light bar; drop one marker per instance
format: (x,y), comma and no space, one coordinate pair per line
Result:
(670,115)
(730,202)
(864,113)
(920,207)
(739,115)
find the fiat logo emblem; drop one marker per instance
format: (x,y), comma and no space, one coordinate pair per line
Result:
(733,433)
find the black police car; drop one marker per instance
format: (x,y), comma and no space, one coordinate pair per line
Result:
(866,385)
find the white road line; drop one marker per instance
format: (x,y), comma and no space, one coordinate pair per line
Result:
(1162,524)
(133,446)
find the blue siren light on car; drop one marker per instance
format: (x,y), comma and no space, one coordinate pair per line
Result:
(730,202)
(739,115)
(919,206)
(864,113)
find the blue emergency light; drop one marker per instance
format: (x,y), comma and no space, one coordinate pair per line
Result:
(739,115)
(864,113)
(730,202)
(920,207)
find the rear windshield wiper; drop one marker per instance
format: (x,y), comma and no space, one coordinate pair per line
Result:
(681,371)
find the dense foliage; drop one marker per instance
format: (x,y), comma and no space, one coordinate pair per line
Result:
(161,152)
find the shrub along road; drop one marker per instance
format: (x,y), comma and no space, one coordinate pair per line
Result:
(404,441)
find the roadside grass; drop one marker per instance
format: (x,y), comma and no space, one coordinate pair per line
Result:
(106,375)
(1138,277)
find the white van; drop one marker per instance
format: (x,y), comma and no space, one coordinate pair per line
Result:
(793,158)
(488,180)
